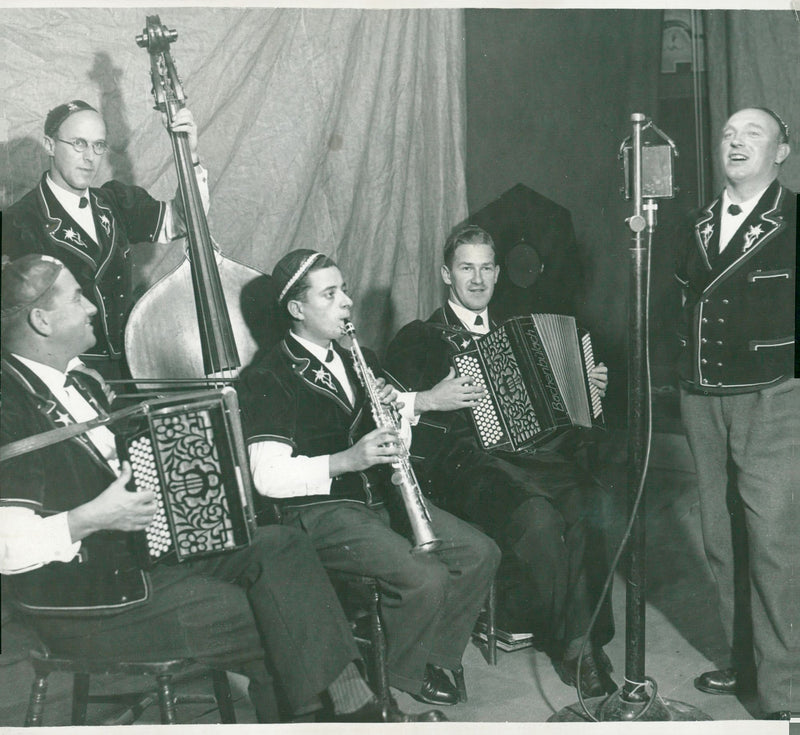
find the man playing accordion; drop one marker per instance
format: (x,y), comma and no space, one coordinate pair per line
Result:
(66,520)
(535,504)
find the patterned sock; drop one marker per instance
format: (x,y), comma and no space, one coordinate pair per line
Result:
(349,692)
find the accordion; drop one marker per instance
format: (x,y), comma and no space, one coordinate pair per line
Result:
(534,369)
(189,450)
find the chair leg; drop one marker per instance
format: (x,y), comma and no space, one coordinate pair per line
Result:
(491,625)
(379,651)
(166,700)
(461,685)
(222,693)
(33,718)
(80,698)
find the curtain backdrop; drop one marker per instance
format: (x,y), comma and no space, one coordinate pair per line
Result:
(339,130)
(754,60)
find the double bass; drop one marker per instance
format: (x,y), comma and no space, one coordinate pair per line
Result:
(190,324)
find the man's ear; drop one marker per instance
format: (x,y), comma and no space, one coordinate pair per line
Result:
(295,309)
(39,320)
(783,153)
(446,275)
(49,145)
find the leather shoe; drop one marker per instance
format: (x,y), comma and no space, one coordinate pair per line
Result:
(437,688)
(373,712)
(783,714)
(590,681)
(722,681)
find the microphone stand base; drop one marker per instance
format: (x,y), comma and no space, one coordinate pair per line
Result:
(615,709)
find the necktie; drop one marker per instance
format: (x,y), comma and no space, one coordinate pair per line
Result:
(72,382)
(479,321)
(329,356)
(734,209)
(83,203)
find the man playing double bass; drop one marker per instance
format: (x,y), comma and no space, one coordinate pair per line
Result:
(91,229)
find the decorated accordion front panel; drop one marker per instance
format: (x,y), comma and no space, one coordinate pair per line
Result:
(534,369)
(189,451)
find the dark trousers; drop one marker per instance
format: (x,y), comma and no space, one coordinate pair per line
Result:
(539,509)
(269,607)
(757,436)
(429,601)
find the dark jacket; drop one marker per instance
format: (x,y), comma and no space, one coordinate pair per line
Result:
(123,215)
(105,578)
(289,396)
(739,318)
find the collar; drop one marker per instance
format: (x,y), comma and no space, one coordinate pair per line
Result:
(68,200)
(467,317)
(747,206)
(50,376)
(319,352)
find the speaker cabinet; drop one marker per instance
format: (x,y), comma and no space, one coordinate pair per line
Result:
(536,251)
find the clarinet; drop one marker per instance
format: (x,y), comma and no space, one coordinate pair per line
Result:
(403,476)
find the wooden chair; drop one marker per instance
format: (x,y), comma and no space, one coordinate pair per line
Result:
(163,672)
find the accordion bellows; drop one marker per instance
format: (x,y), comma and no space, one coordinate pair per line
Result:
(534,369)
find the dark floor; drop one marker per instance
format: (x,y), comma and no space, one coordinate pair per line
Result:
(683,636)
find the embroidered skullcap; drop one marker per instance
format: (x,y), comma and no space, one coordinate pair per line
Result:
(26,280)
(57,115)
(291,268)
(782,126)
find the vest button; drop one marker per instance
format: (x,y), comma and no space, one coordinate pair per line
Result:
(704,361)
(725,301)
(703,340)
(721,320)
(704,320)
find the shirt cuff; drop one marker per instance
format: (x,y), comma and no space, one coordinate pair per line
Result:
(408,399)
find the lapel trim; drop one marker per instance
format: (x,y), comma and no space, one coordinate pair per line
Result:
(704,229)
(454,332)
(773,223)
(307,368)
(58,231)
(106,228)
(47,404)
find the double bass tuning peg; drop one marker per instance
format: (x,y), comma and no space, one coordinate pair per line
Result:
(156,37)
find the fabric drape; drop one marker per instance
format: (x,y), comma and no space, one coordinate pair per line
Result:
(753,60)
(340,130)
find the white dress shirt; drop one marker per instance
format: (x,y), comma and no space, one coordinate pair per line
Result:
(468,317)
(85,218)
(27,540)
(277,474)
(730,223)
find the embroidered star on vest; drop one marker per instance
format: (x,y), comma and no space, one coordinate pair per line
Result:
(707,233)
(323,376)
(751,237)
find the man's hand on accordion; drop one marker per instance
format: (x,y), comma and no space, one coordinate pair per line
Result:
(598,377)
(115,509)
(450,394)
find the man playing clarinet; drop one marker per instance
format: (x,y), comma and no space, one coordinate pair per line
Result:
(317,452)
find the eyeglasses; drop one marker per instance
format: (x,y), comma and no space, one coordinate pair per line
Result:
(100,147)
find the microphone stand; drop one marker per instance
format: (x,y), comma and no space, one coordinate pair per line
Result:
(638,698)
